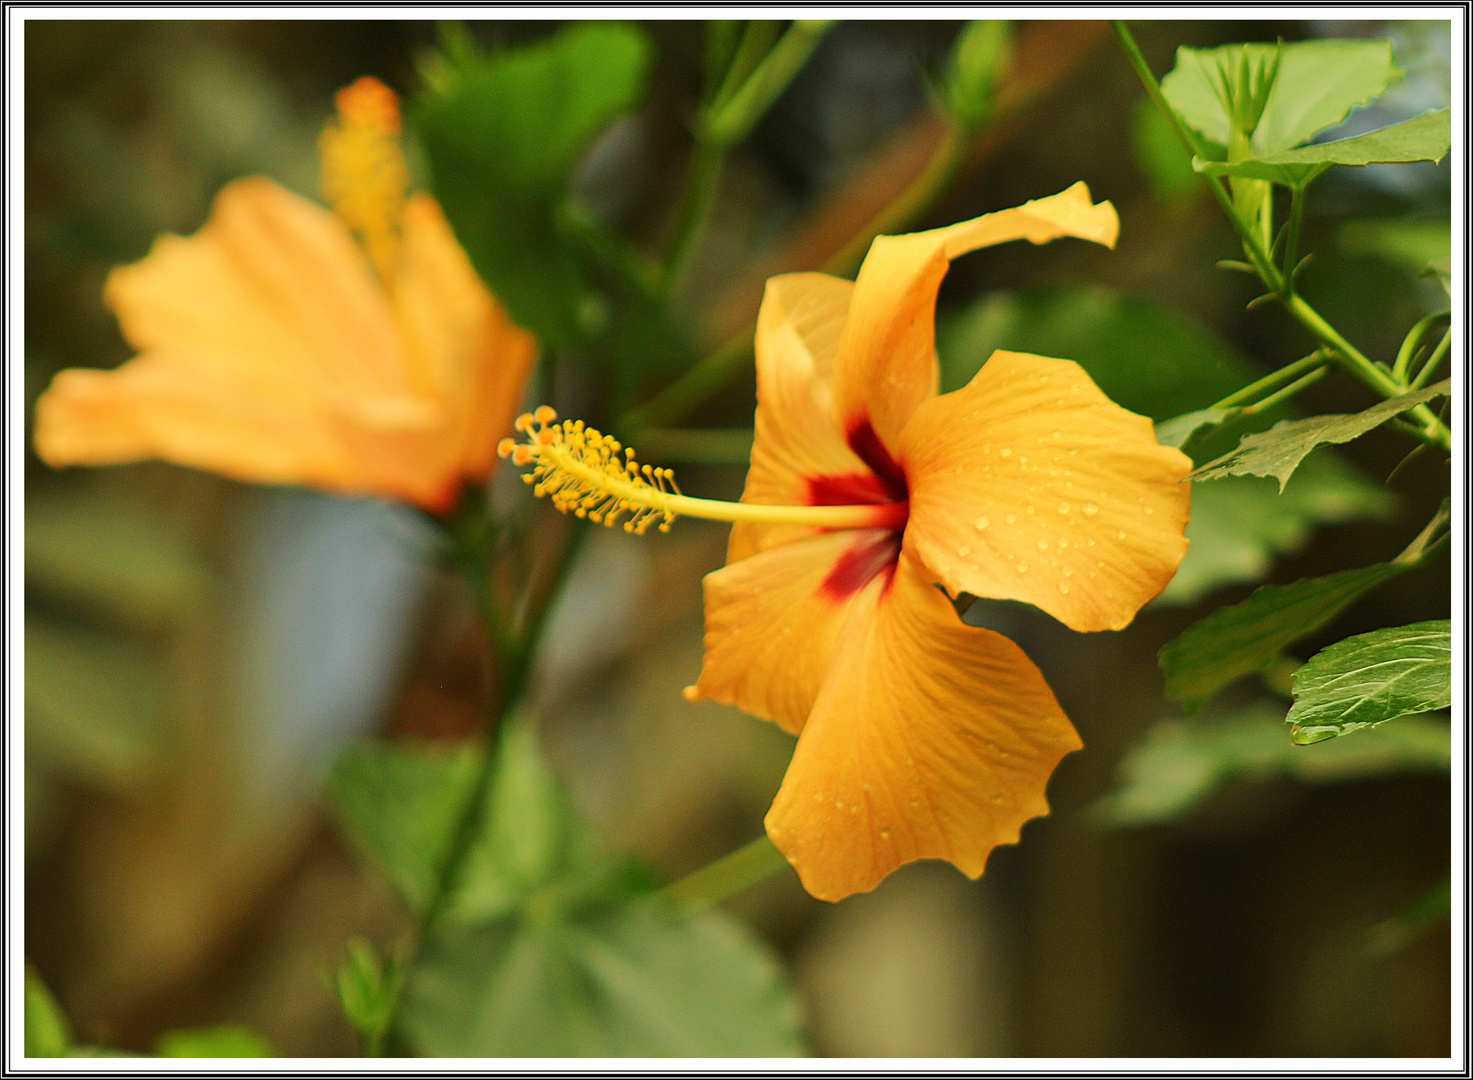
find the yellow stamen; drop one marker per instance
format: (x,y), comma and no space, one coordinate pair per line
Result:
(589,474)
(363,172)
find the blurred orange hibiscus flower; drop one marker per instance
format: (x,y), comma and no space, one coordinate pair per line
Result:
(920,736)
(354,351)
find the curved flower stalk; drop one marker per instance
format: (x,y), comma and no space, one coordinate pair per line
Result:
(354,351)
(918,736)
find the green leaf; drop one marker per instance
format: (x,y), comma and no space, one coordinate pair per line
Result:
(1245,638)
(631,981)
(1278,451)
(530,838)
(1371,678)
(502,134)
(1188,431)
(1241,524)
(224,1040)
(47,1032)
(1143,355)
(402,807)
(368,992)
(1317,84)
(1180,764)
(1423,138)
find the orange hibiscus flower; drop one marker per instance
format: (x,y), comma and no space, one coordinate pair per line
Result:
(918,736)
(354,351)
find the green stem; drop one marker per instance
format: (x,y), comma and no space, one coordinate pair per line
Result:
(1432,361)
(713,371)
(1351,359)
(1273,380)
(1291,243)
(918,197)
(516,664)
(1413,342)
(725,877)
(1357,365)
(1251,247)
(694,386)
(725,122)
(1287,392)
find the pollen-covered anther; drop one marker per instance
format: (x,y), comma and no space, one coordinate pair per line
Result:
(589,474)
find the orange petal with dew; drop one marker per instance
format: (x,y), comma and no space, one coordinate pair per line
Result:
(772,620)
(1030,484)
(929,739)
(798,442)
(887,358)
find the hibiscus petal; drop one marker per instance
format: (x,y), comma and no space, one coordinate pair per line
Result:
(460,348)
(152,408)
(798,443)
(929,739)
(1030,484)
(887,358)
(772,620)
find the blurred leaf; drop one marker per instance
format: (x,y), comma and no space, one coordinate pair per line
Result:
(368,992)
(1368,679)
(548,947)
(531,837)
(1278,451)
(979,59)
(1239,525)
(1180,764)
(118,557)
(94,705)
(632,981)
(401,806)
(1143,355)
(47,1032)
(502,133)
(1246,637)
(1396,933)
(1317,84)
(1414,244)
(1190,430)
(1159,154)
(1423,138)
(223,1040)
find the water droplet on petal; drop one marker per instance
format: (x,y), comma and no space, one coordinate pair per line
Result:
(914,800)
(994,797)
(1006,451)
(1043,545)
(884,833)
(963,551)
(1147,510)
(1064,508)
(1012,518)
(1063,588)
(982,523)
(1091,508)
(1120,535)
(1022,568)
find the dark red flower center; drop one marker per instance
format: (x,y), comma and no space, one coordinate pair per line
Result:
(871,554)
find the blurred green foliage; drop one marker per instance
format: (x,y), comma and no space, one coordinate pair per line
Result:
(502,132)
(1245,638)
(1180,764)
(532,946)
